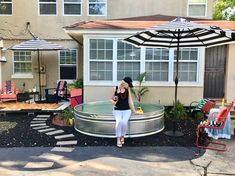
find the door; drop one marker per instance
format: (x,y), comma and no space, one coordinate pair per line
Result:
(215,64)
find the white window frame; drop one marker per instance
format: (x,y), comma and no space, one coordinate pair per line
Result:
(72,3)
(11,9)
(105,12)
(76,64)
(169,83)
(21,75)
(56,3)
(195,4)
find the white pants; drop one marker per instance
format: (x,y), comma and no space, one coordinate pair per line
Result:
(122,117)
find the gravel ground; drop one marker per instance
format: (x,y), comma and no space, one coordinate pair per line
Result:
(15,131)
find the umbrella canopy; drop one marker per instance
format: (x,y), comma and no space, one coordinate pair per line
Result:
(182,33)
(37,44)
(177,34)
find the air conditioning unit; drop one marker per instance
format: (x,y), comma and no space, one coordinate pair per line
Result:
(42,69)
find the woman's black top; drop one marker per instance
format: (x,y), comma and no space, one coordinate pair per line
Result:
(122,103)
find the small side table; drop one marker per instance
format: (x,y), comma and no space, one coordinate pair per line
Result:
(34,95)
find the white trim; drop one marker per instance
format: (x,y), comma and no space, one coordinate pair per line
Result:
(206,7)
(12,7)
(169,83)
(71,3)
(76,65)
(56,4)
(106,4)
(0,74)
(22,76)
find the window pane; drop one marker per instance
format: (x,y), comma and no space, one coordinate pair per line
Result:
(6,9)
(187,72)
(131,69)
(127,51)
(72,9)
(68,72)
(101,70)
(197,10)
(156,71)
(48,9)
(97,9)
(157,54)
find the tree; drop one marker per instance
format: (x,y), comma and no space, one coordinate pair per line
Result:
(224,10)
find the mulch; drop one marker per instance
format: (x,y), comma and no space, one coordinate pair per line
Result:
(15,131)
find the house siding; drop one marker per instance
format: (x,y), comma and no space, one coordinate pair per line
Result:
(51,28)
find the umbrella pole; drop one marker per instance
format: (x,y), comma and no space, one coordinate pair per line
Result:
(39,78)
(175,133)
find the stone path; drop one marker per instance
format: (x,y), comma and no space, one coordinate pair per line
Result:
(65,142)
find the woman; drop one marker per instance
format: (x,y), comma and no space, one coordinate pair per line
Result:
(123,103)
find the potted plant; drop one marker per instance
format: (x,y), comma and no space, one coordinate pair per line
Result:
(76,92)
(139,91)
(69,116)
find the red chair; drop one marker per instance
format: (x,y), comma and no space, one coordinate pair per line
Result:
(218,123)
(8,91)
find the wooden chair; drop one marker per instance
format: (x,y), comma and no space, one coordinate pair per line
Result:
(8,91)
(217,123)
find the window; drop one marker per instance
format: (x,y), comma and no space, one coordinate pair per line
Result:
(101,59)
(47,7)
(128,61)
(68,69)
(22,62)
(111,59)
(72,7)
(97,7)
(6,7)
(188,61)
(197,8)
(157,64)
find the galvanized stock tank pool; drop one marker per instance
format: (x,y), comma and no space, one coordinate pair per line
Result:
(96,119)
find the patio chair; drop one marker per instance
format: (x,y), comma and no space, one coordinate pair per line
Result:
(8,91)
(54,95)
(202,106)
(214,122)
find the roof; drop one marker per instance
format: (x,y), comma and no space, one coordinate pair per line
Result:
(143,22)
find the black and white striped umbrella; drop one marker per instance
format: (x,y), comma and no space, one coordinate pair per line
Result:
(37,44)
(181,33)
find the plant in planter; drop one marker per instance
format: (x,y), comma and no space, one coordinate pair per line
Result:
(181,112)
(139,91)
(65,118)
(69,116)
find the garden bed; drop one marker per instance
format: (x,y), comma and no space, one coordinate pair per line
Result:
(15,131)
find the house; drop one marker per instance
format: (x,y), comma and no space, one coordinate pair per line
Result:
(107,59)
(46,19)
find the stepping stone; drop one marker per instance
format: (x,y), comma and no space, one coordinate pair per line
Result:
(41,127)
(64,136)
(39,165)
(46,130)
(55,132)
(39,124)
(44,119)
(50,156)
(62,149)
(43,115)
(67,142)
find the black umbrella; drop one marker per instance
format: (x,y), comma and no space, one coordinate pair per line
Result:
(37,44)
(177,34)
